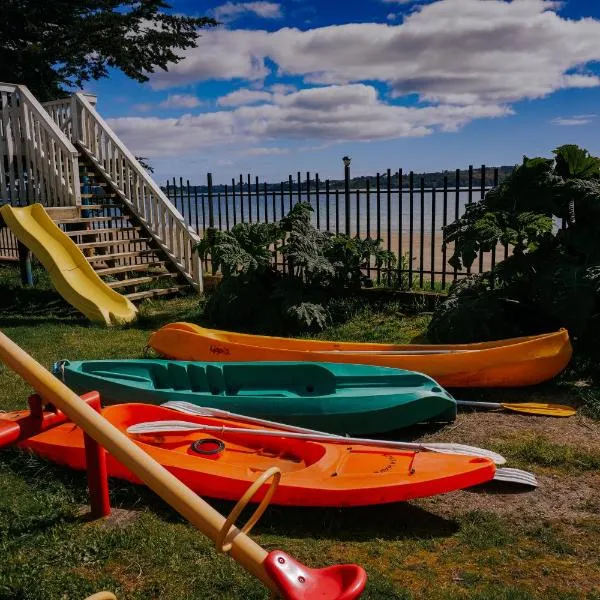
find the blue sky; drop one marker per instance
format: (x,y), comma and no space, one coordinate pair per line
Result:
(424,85)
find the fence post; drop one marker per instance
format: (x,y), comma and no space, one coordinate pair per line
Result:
(211,216)
(347,160)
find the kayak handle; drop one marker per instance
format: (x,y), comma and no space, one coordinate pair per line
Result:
(273,472)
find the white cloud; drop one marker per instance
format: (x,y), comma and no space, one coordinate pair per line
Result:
(450,51)
(244,96)
(574,120)
(180,101)
(234,10)
(391,16)
(283,88)
(321,114)
(262,151)
(143,107)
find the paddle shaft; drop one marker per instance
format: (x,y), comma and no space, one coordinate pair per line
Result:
(192,409)
(479,404)
(191,506)
(532,408)
(312,437)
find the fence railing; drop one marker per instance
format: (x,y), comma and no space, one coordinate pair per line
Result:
(37,161)
(405,210)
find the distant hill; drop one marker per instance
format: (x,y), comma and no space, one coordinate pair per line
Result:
(430,179)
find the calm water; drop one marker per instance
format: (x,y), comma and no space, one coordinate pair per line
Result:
(370,214)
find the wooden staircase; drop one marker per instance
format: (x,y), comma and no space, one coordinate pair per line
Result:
(64,155)
(115,243)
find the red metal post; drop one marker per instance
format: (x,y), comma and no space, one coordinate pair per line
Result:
(95,460)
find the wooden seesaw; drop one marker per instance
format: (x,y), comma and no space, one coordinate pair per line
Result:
(282,574)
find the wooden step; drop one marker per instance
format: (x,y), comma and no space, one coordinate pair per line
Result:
(120,255)
(140,280)
(158,292)
(127,268)
(102,195)
(108,243)
(100,230)
(99,206)
(89,219)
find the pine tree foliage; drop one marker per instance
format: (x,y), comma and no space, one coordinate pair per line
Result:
(53,47)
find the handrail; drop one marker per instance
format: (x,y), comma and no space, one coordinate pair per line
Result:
(144,174)
(47,122)
(136,188)
(43,163)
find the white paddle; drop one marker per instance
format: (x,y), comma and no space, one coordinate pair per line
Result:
(443,448)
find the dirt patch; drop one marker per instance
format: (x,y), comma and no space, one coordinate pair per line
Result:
(119,517)
(562,496)
(561,499)
(483,427)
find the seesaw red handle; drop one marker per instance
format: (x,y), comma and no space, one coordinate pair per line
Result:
(297,582)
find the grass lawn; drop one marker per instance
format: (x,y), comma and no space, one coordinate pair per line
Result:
(464,545)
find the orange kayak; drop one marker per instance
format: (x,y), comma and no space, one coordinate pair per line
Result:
(506,363)
(224,464)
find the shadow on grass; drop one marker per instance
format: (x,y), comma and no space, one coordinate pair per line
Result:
(21,306)
(400,520)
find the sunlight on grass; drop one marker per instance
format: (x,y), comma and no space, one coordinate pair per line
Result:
(536,450)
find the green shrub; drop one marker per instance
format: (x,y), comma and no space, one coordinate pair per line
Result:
(255,294)
(551,279)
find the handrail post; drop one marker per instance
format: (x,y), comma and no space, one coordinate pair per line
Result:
(75,124)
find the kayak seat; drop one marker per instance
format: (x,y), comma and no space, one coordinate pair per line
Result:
(197,377)
(215,379)
(297,380)
(178,375)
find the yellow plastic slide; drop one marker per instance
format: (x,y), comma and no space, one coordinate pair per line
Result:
(72,276)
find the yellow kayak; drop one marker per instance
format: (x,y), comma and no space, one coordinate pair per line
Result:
(507,363)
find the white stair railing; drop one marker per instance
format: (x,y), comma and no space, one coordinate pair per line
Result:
(38,163)
(140,193)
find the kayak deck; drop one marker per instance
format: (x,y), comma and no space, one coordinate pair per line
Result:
(313,473)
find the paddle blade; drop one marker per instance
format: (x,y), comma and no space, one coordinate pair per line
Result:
(516,476)
(454,448)
(535,408)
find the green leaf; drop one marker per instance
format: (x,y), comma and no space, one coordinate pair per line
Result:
(573,162)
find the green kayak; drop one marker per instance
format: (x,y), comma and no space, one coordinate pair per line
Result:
(333,397)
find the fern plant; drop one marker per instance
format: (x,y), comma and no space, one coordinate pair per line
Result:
(316,261)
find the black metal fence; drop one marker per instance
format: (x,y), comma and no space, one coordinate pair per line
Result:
(404,210)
